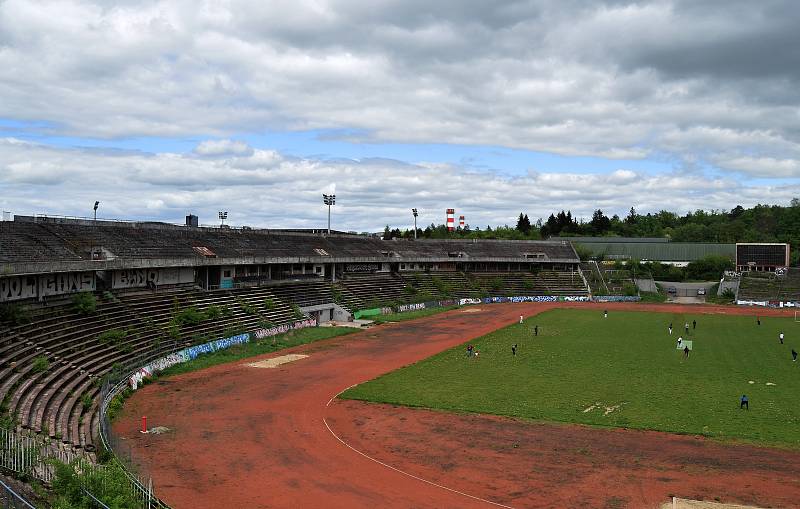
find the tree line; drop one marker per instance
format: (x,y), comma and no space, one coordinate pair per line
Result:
(761,223)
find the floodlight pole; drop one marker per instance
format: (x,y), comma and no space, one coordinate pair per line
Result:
(414,211)
(329,199)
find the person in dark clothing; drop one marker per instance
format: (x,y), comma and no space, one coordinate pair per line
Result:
(469,350)
(686,352)
(535,330)
(744,402)
(514,349)
(694,324)
(605,313)
(794,355)
(758,320)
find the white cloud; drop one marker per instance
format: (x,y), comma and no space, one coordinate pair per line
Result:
(267,189)
(222,148)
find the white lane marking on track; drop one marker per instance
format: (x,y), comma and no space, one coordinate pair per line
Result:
(379,462)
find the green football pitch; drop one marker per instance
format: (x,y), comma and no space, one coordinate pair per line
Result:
(620,371)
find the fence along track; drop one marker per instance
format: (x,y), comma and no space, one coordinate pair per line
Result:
(9,499)
(28,454)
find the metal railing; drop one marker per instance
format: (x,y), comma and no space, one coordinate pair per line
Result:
(113,444)
(32,455)
(9,499)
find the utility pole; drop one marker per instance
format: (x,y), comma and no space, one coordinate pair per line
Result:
(414,211)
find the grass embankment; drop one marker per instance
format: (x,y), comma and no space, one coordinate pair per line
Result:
(259,347)
(623,371)
(411,315)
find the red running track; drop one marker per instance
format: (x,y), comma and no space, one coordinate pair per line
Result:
(249,438)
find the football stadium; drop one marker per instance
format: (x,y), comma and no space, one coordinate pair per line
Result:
(221,367)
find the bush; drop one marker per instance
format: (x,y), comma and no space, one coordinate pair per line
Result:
(212,312)
(298,314)
(14,314)
(86,402)
(109,483)
(113,336)
(84,303)
(269,304)
(497,284)
(40,364)
(188,316)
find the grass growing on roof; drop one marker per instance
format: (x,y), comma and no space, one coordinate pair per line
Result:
(621,371)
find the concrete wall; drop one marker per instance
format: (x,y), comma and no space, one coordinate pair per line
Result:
(46,285)
(138,278)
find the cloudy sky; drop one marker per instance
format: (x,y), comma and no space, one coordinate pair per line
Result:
(163,108)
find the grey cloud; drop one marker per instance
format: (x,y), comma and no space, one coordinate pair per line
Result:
(619,80)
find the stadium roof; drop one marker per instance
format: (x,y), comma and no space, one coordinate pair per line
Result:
(659,251)
(607,240)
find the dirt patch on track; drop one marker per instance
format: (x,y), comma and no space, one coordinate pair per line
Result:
(255,438)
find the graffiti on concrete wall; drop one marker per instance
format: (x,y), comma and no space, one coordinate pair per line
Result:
(139,278)
(410,307)
(280,329)
(66,282)
(182,356)
(18,287)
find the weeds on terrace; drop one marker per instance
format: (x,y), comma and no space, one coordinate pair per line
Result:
(116,404)
(14,314)
(114,336)
(109,483)
(193,316)
(247,307)
(86,401)
(40,364)
(298,314)
(84,303)
(269,304)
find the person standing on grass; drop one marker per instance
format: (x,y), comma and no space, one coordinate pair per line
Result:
(670,329)
(469,350)
(535,330)
(514,349)
(758,320)
(686,352)
(605,313)
(794,355)
(520,319)
(694,324)
(680,341)
(744,402)
(780,336)
(686,327)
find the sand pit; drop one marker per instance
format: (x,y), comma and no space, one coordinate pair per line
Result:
(277,361)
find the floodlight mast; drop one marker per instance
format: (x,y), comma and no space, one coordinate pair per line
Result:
(223,215)
(96,204)
(414,211)
(329,199)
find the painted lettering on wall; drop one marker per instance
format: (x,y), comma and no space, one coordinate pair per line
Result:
(280,329)
(138,278)
(184,355)
(19,287)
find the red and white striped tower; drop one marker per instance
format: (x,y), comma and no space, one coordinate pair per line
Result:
(461,222)
(451,219)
